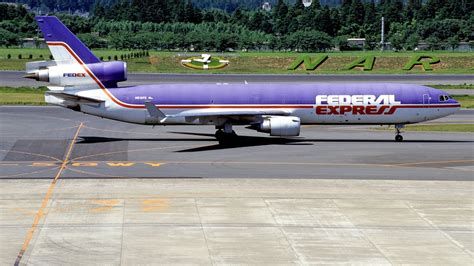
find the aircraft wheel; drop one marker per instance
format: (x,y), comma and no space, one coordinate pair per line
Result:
(225,139)
(398,138)
(219,134)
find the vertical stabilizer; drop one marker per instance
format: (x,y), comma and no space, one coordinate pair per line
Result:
(65,47)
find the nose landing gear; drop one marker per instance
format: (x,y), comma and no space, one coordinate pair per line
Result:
(399,137)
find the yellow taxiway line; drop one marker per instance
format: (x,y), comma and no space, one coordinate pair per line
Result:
(46,199)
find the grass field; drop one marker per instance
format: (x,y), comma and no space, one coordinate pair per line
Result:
(446,127)
(454,87)
(264,62)
(22,96)
(469,128)
(466,101)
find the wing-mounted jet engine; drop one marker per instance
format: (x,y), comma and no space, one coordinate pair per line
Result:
(282,126)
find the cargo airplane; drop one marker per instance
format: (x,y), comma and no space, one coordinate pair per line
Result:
(80,81)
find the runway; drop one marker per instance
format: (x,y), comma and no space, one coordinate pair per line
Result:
(81,189)
(15,79)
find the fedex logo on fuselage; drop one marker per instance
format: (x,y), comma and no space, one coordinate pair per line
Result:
(356,104)
(74,75)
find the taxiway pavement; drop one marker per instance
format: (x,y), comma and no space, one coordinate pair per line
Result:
(42,134)
(80,189)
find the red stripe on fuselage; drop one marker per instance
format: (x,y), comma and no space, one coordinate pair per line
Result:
(78,59)
(394,107)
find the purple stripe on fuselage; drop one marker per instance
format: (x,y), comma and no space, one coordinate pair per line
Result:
(268,93)
(55,31)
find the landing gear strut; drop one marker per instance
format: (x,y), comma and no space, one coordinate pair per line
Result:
(399,137)
(225,135)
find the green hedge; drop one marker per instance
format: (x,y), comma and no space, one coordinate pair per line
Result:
(417,60)
(307,62)
(366,62)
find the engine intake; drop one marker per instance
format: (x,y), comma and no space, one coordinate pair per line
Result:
(115,71)
(280,126)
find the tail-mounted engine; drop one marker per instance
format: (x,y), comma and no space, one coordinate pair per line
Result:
(75,74)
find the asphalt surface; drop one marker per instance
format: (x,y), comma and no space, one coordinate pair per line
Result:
(15,79)
(42,134)
(76,189)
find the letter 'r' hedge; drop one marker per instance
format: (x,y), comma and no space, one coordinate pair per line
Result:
(417,60)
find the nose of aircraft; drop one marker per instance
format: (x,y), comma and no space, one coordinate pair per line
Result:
(452,100)
(455,103)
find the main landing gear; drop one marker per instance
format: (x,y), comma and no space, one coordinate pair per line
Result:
(225,135)
(398,128)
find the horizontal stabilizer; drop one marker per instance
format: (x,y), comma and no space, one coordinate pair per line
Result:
(73,98)
(33,66)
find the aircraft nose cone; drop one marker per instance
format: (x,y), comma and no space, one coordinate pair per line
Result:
(456,102)
(453,100)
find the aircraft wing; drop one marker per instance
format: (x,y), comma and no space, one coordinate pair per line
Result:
(222,112)
(235,113)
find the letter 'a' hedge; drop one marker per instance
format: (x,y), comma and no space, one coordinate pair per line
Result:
(366,62)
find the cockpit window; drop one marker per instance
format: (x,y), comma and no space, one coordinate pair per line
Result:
(443,98)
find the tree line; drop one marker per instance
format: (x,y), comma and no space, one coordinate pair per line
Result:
(180,24)
(230,6)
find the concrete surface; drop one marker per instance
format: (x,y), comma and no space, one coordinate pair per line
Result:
(111,193)
(239,221)
(15,79)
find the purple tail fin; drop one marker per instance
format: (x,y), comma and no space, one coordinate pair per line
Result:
(63,44)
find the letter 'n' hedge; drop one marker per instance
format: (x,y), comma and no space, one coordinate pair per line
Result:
(307,62)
